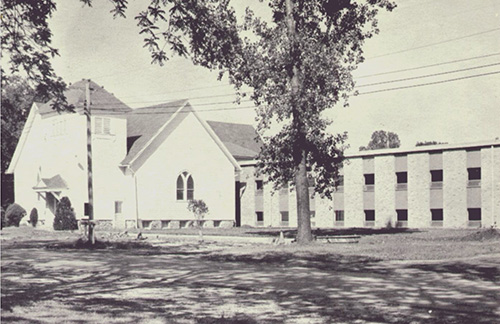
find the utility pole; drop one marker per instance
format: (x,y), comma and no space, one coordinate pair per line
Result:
(89,164)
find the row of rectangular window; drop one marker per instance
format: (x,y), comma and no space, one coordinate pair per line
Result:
(401,178)
(436,176)
(402,215)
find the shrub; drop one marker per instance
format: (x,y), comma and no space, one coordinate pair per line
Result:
(14,214)
(199,209)
(65,216)
(34,217)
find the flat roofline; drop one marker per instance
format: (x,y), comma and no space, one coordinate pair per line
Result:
(410,150)
(425,148)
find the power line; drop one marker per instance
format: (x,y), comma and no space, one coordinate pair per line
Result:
(359,86)
(427,75)
(433,44)
(426,66)
(189,98)
(175,105)
(429,83)
(161,113)
(360,94)
(359,77)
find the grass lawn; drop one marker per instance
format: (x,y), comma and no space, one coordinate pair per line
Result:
(428,276)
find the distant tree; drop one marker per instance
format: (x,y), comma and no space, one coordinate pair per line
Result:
(65,216)
(34,217)
(199,209)
(382,139)
(14,214)
(17,98)
(429,143)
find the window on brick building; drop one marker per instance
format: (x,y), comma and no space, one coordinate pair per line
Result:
(437,175)
(259,186)
(402,177)
(474,214)
(474,173)
(402,215)
(370,215)
(339,215)
(437,215)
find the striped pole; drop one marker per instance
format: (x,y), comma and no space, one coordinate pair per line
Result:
(89,164)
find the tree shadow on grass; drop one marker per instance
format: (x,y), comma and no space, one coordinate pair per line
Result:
(466,270)
(292,233)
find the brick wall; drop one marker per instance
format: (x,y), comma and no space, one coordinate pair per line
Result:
(247,178)
(418,190)
(490,186)
(385,182)
(455,188)
(353,193)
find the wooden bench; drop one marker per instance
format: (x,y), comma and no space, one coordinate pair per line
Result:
(339,238)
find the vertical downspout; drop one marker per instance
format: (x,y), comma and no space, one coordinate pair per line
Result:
(136,198)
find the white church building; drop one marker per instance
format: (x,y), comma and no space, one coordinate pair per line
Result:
(149,162)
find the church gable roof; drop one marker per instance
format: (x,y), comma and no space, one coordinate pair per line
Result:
(144,124)
(102,101)
(241,140)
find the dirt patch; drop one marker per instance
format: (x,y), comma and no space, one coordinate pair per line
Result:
(483,235)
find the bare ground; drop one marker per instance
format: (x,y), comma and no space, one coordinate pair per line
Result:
(421,277)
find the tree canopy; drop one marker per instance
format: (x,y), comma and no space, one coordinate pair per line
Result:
(382,139)
(26,43)
(424,143)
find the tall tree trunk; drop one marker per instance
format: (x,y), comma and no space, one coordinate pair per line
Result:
(304,234)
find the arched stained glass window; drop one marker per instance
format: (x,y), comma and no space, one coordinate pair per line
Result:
(180,188)
(190,188)
(185,186)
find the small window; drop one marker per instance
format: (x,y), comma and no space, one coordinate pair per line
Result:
(437,215)
(437,175)
(402,177)
(312,214)
(474,214)
(369,215)
(259,185)
(98,125)
(402,215)
(339,215)
(102,126)
(284,216)
(474,173)
(118,207)
(260,216)
(146,224)
(369,179)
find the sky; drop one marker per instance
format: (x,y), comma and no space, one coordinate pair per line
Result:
(460,38)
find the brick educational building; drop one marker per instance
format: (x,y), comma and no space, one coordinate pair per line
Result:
(426,186)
